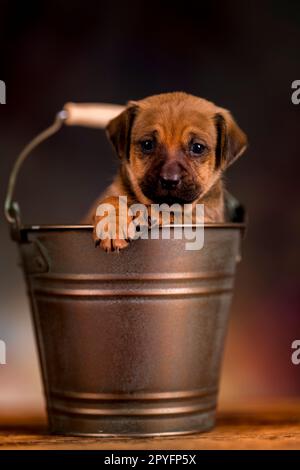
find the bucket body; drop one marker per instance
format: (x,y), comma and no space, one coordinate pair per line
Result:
(130,343)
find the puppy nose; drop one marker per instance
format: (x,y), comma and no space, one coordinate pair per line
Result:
(169,180)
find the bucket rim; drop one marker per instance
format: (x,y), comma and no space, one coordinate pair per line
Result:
(87,227)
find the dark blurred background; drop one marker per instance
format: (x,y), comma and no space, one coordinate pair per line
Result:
(242,55)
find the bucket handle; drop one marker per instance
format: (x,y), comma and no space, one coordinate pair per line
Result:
(95,115)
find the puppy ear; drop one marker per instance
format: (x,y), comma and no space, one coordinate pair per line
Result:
(118,130)
(231,140)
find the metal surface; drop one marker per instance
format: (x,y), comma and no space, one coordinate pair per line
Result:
(129,343)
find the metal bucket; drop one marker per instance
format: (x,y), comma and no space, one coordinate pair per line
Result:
(129,343)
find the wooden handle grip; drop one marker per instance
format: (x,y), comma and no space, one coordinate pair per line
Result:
(91,114)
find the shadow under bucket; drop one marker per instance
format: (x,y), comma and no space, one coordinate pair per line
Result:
(130,343)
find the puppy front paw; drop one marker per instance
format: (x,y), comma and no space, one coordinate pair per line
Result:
(111,226)
(110,244)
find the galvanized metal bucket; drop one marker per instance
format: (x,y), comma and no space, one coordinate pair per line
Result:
(129,343)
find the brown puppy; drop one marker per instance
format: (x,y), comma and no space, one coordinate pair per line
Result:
(173,148)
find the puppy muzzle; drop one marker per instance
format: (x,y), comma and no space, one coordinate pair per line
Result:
(170,176)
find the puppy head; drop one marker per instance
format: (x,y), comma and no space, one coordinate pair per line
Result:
(175,146)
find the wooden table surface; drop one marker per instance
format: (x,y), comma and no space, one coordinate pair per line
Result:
(257,426)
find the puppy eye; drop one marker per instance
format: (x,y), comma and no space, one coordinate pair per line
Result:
(147,145)
(197,148)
